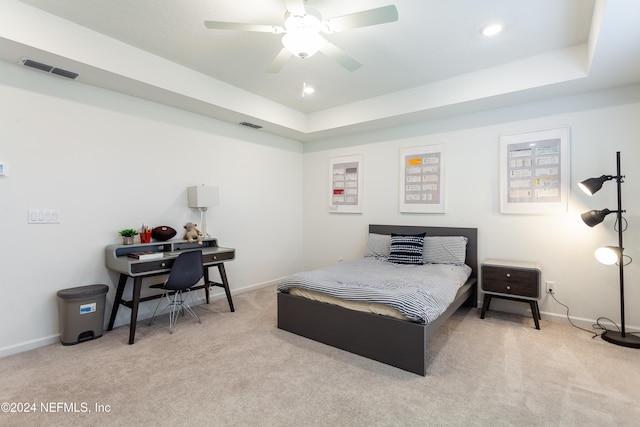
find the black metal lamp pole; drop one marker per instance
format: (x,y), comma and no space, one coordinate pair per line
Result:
(615,337)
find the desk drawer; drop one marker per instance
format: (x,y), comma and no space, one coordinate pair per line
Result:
(155,265)
(217,257)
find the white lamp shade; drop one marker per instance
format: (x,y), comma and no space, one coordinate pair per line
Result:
(203,196)
(608,255)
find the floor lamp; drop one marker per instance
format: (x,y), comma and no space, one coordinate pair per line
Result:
(611,254)
(202,197)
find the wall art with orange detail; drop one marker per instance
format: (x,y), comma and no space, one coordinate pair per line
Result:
(422,179)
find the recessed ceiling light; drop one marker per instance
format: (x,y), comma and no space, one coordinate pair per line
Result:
(306,89)
(491,29)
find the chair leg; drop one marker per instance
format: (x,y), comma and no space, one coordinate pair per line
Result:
(179,305)
(153,317)
(173,313)
(176,305)
(188,308)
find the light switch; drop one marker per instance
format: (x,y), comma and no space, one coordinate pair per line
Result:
(43,216)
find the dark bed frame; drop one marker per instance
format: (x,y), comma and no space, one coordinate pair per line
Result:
(395,342)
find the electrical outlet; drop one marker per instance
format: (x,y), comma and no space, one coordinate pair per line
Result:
(551,287)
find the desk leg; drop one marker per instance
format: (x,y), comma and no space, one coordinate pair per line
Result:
(137,285)
(122,281)
(206,284)
(223,276)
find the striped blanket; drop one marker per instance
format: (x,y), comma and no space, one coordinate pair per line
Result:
(420,292)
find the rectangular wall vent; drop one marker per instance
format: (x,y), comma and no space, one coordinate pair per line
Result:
(49,69)
(250,125)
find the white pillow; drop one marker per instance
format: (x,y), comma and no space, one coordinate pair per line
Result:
(378,245)
(444,250)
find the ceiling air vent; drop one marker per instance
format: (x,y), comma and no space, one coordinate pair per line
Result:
(250,125)
(49,69)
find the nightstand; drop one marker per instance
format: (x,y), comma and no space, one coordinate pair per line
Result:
(511,280)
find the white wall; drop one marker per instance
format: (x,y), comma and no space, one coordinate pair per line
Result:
(109,162)
(601,124)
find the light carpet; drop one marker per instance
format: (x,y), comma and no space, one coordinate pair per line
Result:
(238,369)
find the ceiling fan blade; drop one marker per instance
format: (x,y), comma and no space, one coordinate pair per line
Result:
(279,61)
(365,18)
(238,26)
(340,56)
(296,7)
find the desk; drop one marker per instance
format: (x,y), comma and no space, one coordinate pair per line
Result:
(117,259)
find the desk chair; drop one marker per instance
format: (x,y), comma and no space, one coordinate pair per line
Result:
(186,272)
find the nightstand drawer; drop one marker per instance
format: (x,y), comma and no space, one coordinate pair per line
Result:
(511,287)
(510,278)
(510,274)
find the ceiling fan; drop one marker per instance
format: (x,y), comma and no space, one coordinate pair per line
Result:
(302,28)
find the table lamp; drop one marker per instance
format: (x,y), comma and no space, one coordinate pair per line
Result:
(202,197)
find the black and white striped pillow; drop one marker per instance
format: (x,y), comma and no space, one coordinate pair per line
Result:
(406,248)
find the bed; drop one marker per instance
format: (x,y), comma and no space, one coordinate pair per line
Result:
(396,341)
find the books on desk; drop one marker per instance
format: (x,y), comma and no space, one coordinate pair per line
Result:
(146,255)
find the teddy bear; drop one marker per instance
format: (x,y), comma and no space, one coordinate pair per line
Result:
(192,233)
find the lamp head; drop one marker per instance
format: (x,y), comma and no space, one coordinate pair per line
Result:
(592,185)
(594,217)
(609,255)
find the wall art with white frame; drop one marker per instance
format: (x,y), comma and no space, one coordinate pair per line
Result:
(422,179)
(346,184)
(534,172)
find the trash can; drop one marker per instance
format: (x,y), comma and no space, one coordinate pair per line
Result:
(81,313)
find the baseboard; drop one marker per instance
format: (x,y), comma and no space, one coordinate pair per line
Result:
(524,310)
(145,311)
(29,345)
(216,294)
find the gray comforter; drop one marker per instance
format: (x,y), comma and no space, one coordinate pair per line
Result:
(420,292)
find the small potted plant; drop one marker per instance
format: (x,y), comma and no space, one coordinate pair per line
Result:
(127,235)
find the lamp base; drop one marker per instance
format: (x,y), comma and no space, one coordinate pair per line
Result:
(203,222)
(615,337)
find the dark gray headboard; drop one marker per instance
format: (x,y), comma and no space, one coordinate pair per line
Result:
(470,233)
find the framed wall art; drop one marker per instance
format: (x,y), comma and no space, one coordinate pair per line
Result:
(422,179)
(346,184)
(534,172)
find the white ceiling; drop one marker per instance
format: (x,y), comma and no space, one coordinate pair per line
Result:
(431,62)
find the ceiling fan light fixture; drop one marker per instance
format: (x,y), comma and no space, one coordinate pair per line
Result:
(302,38)
(303,44)
(310,21)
